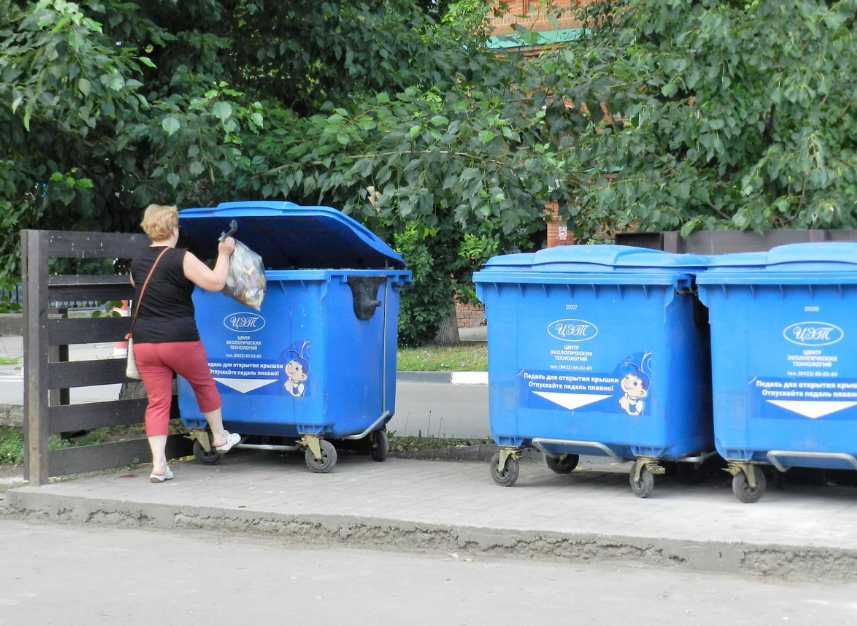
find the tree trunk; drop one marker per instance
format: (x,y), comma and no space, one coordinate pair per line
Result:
(447,333)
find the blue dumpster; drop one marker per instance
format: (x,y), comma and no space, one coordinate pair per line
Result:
(599,350)
(318,360)
(783,340)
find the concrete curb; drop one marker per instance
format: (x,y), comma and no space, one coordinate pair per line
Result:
(453,378)
(479,452)
(392,534)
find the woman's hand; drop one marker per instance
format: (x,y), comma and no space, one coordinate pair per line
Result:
(227,246)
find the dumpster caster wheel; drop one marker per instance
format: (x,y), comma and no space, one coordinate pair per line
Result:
(206,458)
(379,445)
(563,464)
(327,460)
(509,475)
(642,488)
(741,486)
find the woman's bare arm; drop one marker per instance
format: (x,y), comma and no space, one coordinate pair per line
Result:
(209,279)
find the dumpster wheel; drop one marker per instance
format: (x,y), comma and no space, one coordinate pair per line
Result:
(206,457)
(326,457)
(379,444)
(643,486)
(507,476)
(562,464)
(741,485)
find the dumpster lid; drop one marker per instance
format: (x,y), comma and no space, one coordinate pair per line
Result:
(795,257)
(287,235)
(596,258)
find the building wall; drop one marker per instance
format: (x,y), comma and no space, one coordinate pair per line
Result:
(531,14)
(558,233)
(469,315)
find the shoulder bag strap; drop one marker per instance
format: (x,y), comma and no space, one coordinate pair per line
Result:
(142,290)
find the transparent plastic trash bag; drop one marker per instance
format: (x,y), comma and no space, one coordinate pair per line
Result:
(245,281)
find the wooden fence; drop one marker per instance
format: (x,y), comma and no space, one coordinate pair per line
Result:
(49,375)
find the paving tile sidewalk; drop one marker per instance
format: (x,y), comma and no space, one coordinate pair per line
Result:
(590,514)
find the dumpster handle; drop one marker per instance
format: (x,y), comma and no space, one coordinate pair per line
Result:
(233,226)
(699,458)
(773,454)
(266,446)
(539,445)
(378,422)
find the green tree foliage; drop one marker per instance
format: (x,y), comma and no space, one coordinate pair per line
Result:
(378,109)
(729,114)
(720,114)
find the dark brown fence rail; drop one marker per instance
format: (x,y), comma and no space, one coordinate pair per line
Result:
(49,375)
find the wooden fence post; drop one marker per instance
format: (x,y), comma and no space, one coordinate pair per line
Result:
(36,427)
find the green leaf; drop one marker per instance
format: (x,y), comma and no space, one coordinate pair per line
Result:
(486,135)
(171,125)
(222,111)
(469,173)
(84,86)
(173,179)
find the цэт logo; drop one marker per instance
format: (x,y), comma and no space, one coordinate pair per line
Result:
(244,322)
(577,330)
(813,333)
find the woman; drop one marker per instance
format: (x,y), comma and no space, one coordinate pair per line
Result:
(166,340)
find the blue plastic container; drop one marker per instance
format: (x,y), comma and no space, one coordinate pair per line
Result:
(599,350)
(319,359)
(784,336)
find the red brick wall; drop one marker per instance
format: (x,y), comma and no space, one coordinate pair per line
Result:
(558,233)
(469,315)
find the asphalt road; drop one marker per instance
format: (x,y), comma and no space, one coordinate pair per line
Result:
(69,576)
(441,410)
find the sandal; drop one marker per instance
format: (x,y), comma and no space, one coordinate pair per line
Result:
(159,478)
(231,440)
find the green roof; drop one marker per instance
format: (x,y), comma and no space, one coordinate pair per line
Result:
(531,38)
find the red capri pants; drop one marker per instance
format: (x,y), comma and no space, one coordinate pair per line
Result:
(157,362)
